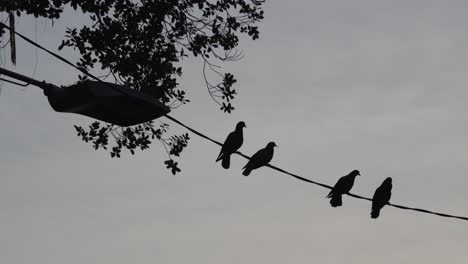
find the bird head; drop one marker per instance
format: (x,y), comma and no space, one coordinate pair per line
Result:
(355,173)
(271,145)
(388,181)
(240,125)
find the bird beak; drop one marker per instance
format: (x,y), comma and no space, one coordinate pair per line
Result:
(276,146)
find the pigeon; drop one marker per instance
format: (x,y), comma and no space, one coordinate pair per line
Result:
(342,186)
(381,197)
(232,143)
(259,159)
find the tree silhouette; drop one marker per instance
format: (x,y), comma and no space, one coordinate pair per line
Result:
(140,44)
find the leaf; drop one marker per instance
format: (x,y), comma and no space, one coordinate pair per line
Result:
(148,56)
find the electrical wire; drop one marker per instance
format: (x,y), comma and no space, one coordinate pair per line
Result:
(240,153)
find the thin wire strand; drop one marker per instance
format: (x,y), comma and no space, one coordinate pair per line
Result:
(240,153)
(36,59)
(314,182)
(13,82)
(52,53)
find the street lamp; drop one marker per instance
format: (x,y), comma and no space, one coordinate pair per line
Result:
(108,102)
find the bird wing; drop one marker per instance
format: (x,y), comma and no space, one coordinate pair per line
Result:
(377,198)
(343,185)
(255,160)
(259,159)
(232,143)
(349,182)
(339,187)
(381,196)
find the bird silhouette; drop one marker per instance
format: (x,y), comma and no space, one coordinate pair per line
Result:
(259,159)
(381,197)
(342,186)
(232,143)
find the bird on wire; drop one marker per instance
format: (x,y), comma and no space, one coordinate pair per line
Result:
(342,186)
(232,143)
(259,159)
(381,197)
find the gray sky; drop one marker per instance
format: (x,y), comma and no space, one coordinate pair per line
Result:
(338,85)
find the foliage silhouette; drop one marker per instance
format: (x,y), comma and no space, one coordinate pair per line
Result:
(173,165)
(140,44)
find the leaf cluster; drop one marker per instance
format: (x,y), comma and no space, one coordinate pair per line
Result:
(140,44)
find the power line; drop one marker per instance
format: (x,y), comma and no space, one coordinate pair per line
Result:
(51,53)
(314,182)
(240,153)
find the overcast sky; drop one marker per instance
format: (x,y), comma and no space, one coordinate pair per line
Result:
(379,86)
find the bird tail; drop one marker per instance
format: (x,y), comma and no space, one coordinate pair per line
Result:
(336,200)
(226,161)
(220,156)
(375,213)
(247,171)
